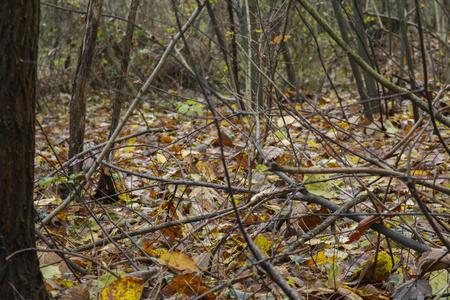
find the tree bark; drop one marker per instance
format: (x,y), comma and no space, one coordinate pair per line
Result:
(20,277)
(77,108)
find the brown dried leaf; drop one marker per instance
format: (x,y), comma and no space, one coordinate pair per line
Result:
(429,261)
(190,285)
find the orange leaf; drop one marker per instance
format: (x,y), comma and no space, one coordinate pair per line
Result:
(312,220)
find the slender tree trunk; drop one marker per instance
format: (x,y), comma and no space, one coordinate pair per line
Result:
(20,277)
(234,60)
(443,31)
(255,95)
(77,109)
(355,69)
(404,37)
(106,185)
(223,48)
(363,51)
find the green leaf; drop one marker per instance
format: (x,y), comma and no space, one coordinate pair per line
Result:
(198,110)
(281,134)
(183,108)
(261,168)
(46,181)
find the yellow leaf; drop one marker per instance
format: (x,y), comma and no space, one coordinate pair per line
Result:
(320,258)
(439,280)
(130,142)
(161,158)
(384,263)
(344,125)
(286,37)
(291,281)
(356,160)
(323,189)
(88,238)
(313,144)
(277,39)
(178,261)
(419,173)
(263,243)
(124,288)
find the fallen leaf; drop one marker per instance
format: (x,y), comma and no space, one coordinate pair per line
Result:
(178,261)
(79,292)
(190,285)
(389,127)
(125,288)
(272,152)
(413,289)
(323,189)
(429,261)
(362,227)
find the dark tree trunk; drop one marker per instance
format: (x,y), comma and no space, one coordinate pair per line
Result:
(77,109)
(20,277)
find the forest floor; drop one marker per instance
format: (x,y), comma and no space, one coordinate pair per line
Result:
(174,204)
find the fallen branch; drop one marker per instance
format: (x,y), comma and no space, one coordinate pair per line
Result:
(154,228)
(389,233)
(266,196)
(121,139)
(183,182)
(274,167)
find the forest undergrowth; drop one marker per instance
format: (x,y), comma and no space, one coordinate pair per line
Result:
(169,230)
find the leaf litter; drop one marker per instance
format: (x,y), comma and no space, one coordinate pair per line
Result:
(189,232)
